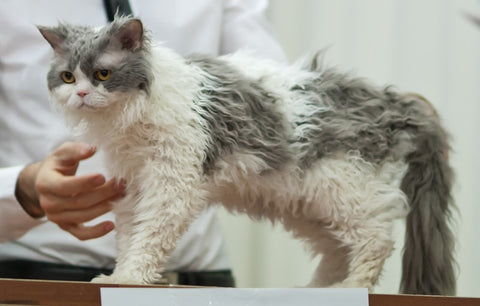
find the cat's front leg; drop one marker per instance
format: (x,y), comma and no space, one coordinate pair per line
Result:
(123,224)
(163,211)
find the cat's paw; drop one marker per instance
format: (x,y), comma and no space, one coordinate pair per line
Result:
(118,279)
(128,279)
(104,279)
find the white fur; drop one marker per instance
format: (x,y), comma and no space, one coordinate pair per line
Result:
(343,206)
(111,58)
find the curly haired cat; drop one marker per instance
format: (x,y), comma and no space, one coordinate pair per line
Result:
(333,158)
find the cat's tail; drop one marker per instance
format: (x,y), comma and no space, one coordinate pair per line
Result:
(428,261)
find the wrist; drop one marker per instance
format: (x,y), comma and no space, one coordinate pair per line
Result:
(26,193)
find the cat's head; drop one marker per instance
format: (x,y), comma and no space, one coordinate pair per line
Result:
(94,68)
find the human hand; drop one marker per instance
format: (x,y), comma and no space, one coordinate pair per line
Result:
(50,188)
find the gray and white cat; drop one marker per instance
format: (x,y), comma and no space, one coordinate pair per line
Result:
(333,158)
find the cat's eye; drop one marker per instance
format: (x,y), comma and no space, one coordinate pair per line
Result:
(67,77)
(103,74)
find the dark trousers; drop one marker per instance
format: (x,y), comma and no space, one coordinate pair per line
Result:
(25,269)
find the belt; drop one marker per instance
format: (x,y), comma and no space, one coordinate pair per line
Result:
(26,269)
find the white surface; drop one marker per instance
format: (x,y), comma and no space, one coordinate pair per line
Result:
(233,297)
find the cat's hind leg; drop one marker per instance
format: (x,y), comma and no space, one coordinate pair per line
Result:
(366,229)
(333,267)
(357,203)
(368,248)
(352,256)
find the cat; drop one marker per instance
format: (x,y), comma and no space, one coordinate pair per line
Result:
(332,157)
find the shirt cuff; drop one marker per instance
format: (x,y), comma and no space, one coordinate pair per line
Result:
(14,221)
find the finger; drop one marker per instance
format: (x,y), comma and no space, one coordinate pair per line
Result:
(83,232)
(108,192)
(67,157)
(79,216)
(71,153)
(69,186)
(75,185)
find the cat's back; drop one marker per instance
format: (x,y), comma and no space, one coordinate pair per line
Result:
(301,110)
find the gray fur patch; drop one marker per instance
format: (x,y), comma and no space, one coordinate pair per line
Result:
(82,46)
(354,115)
(240,116)
(350,115)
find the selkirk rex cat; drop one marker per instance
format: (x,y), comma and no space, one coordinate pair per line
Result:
(333,158)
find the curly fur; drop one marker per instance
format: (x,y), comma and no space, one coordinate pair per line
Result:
(333,158)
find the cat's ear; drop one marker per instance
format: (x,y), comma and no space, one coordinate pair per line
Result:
(54,38)
(129,36)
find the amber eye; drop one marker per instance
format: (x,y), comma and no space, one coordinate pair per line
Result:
(103,74)
(67,77)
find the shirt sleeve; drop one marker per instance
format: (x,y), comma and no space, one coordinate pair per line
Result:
(245,27)
(14,221)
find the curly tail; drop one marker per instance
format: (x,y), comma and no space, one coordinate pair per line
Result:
(428,261)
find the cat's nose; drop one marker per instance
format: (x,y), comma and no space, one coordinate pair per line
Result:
(82,93)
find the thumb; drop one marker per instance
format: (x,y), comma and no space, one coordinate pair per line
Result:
(69,154)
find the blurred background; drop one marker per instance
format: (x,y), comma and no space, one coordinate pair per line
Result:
(426,46)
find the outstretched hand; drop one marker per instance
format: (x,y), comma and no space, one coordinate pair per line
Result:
(50,188)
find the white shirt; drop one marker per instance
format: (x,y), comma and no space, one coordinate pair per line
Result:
(30,130)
